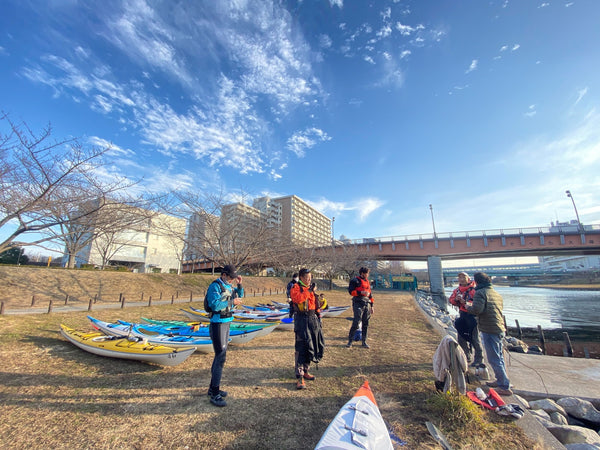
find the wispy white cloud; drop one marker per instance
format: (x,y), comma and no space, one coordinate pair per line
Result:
(306,139)
(580,94)
(472,66)
(530,111)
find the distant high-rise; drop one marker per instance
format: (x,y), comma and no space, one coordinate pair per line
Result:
(301,224)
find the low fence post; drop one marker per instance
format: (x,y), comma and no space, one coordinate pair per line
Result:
(1,308)
(122,302)
(33,300)
(120,297)
(50,307)
(90,304)
(66,299)
(190,296)
(569,349)
(150,301)
(172,299)
(519,331)
(542,339)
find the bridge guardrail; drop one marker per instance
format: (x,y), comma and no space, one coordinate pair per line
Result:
(526,231)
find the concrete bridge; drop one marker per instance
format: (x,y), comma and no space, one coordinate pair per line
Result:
(538,241)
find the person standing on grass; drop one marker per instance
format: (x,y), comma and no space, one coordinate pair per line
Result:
(362,305)
(466,323)
(222,297)
(487,306)
(309,344)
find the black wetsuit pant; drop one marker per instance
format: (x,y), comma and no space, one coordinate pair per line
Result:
(219,333)
(362,313)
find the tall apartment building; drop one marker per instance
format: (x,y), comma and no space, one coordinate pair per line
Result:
(302,224)
(202,229)
(290,217)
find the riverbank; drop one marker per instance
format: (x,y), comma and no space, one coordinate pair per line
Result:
(576,287)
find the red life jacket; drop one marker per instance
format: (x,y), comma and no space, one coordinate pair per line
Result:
(361,285)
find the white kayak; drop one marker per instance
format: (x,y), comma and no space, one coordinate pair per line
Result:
(126,348)
(358,425)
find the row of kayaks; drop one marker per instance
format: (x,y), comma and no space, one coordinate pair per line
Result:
(172,342)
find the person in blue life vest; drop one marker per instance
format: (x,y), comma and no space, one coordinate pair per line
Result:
(222,297)
(362,305)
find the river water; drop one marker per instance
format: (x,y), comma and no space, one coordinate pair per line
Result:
(550,308)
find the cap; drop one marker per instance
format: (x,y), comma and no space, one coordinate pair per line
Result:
(465,274)
(304,272)
(229,270)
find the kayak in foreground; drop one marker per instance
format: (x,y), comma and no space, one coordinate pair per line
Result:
(358,425)
(126,348)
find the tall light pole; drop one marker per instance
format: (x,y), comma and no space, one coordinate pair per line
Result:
(332,231)
(574,207)
(432,221)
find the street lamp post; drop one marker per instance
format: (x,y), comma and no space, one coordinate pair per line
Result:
(332,231)
(432,221)
(574,207)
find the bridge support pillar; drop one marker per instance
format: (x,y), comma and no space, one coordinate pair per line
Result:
(436,281)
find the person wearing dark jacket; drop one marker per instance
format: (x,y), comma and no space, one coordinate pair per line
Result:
(362,305)
(221,297)
(309,344)
(466,323)
(487,306)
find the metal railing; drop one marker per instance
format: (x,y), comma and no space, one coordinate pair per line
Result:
(526,231)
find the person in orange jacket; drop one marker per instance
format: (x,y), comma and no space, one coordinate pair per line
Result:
(362,305)
(466,323)
(309,344)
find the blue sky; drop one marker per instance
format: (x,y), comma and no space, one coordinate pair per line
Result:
(368,110)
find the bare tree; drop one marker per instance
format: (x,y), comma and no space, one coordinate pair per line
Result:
(40,176)
(350,258)
(221,232)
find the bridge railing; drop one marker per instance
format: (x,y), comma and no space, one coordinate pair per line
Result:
(527,231)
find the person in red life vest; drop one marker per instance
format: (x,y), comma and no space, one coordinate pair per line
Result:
(362,305)
(309,344)
(466,323)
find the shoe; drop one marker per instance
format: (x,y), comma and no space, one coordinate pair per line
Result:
(300,384)
(221,393)
(492,384)
(504,391)
(217,400)
(349,344)
(365,345)
(308,376)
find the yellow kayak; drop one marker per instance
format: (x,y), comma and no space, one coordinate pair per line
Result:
(126,348)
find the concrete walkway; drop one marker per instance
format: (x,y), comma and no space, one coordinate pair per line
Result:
(541,376)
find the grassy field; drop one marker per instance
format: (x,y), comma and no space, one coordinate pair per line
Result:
(55,395)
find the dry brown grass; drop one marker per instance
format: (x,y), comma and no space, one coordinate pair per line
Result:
(54,395)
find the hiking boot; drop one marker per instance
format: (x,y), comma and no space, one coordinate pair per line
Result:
(349,344)
(308,376)
(217,400)
(365,345)
(300,384)
(504,391)
(221,393)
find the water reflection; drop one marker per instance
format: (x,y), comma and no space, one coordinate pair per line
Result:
(550,308)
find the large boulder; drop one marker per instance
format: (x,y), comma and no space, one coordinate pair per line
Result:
(558,418)
(581,409)
(569,434)
(547,405)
